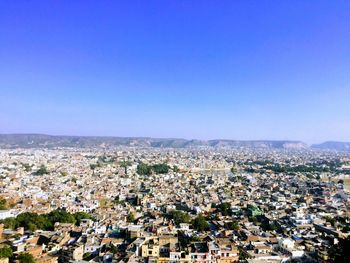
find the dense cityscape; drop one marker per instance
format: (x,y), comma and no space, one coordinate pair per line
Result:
(174,131)
(198,204)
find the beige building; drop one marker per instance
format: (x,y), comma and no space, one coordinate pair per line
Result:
(151,248)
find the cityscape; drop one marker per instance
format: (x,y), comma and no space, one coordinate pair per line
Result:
(264,203)
(174,131)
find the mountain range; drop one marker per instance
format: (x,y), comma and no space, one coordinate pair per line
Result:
(51,141)
(331,145)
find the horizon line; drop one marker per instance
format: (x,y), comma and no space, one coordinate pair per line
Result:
(171,138)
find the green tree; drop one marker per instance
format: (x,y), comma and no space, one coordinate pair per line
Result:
(160,168)
(32,221)
(42,170)
(234,170)
(60,216)
(26,258)
(233,225)
(80,216)
(179,217)
(176,169)
(130,217)
(243,255)
(200,223)
(32,227)
(225,209)
(6,252)
(9,222)
(143,169)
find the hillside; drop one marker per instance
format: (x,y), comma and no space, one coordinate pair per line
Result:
(331,145)
(49,141)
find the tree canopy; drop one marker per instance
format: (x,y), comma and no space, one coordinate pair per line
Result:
(145,169)
(160,168)
(225,209)
(200,223)
(42,170)
(176,169)
(32,221)
(26,258)
(179,217)
(232,225)
(130,217)
(6,252)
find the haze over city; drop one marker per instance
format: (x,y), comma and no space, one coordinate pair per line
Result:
(239,70)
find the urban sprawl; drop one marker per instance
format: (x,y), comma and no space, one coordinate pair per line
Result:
(138,204)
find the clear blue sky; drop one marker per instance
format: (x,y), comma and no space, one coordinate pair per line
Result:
(192,69)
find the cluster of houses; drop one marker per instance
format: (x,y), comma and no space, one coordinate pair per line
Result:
(249,216)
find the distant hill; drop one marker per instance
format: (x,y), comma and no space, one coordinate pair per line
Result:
(258,144)
(337,146)
(50,141)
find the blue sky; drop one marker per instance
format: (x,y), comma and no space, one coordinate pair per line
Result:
(191,69)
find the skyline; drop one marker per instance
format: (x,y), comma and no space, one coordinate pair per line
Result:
(176,69)
(33,137)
